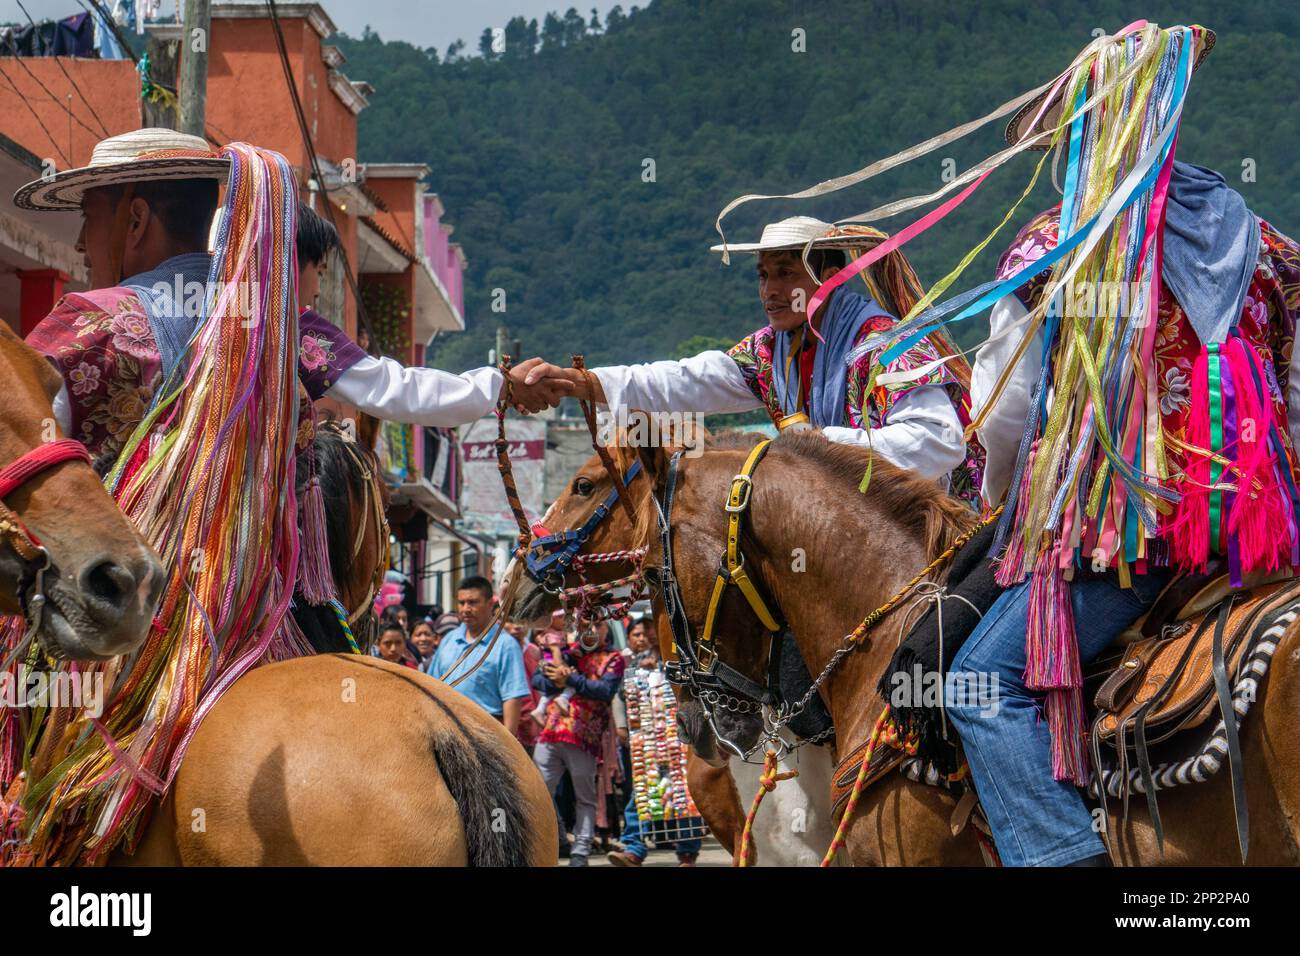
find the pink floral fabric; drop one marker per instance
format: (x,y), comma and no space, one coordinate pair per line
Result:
(101,343)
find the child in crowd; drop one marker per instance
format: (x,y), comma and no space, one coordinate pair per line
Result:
(553,641)
(392,645)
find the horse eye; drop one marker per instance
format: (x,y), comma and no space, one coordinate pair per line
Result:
(583,486)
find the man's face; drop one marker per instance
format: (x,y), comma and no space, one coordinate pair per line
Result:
(309,280)
(636,638)
(95,243)
(784,287)
(474,608)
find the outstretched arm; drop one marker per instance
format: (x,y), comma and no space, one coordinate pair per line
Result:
(330,363)
(710,382)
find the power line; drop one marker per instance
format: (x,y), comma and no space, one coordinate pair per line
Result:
(362,316)
(59,61)
(23,64)
(53,142)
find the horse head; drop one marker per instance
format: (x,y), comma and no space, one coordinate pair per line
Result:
(588,518)
(70,561)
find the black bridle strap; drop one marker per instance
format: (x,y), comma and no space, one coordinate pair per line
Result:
(687,669)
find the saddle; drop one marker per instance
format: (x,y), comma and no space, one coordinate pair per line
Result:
(1170,683)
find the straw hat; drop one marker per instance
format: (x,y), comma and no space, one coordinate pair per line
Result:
(795,233)
(1019,127)
(139,156)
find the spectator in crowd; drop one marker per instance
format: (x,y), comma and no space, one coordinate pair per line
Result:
(572,740)
(527,728)
(392,645)
(500,684)
(425,640)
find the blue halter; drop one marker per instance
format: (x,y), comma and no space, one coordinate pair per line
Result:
(549,557)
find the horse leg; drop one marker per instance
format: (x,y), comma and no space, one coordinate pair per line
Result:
(901,823)
(715,794)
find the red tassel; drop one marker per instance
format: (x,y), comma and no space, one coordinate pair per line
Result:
(315,580)
(1188,530)
(1259,519)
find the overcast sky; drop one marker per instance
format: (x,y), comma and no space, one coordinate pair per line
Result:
(424,23)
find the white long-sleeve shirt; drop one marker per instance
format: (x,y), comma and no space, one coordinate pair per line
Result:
(387,389)
(921,432)
(1002,432)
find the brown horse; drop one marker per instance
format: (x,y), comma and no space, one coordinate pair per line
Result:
(347,760)
(809,533)
(103,579)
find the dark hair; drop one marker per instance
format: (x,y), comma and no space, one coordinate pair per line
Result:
(185,207)
(316,237)
(392,627)
(476,583)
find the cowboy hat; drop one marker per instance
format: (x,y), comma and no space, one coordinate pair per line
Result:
(1019,127)
(795,233)
(138,156)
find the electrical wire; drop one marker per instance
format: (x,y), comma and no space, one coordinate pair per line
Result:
(59,61)
(362,317)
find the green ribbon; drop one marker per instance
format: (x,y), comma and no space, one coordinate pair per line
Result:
(1216,445)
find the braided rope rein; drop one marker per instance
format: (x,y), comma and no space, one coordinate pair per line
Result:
(766,784)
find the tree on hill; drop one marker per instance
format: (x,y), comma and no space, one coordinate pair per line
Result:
(543,159)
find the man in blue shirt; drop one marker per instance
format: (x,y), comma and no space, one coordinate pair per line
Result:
(500,685)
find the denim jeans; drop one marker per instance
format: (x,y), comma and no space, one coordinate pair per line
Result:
(1036,820)
(631,837)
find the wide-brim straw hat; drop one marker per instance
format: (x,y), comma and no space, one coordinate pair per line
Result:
(1019,127)
(142,155)
(795,233)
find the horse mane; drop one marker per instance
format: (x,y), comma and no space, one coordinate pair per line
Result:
(917,504)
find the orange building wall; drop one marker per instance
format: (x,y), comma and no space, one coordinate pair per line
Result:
(109,88)
(248,100)
(399,196)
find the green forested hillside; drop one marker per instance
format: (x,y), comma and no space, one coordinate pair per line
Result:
(539,151)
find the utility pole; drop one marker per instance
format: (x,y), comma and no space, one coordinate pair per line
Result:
(503,346)
(193,79)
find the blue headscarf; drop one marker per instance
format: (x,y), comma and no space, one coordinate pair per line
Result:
(1211,244)
(843,318)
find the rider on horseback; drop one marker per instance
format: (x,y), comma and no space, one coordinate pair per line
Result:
(1220,351)
(813,373)
(147,201)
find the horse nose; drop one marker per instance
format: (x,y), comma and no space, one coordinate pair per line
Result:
(110,590)
(684,730)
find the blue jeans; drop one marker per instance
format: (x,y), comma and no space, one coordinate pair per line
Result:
(631,837)
(1036,820)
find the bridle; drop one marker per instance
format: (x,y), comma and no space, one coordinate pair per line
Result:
(28,547)
(714,683)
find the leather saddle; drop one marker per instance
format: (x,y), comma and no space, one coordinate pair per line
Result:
(1175,679)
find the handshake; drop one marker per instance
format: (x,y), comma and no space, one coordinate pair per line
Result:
(536,384)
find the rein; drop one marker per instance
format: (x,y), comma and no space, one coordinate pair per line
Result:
(549,557)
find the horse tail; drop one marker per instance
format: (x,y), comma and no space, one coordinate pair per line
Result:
(485,789)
